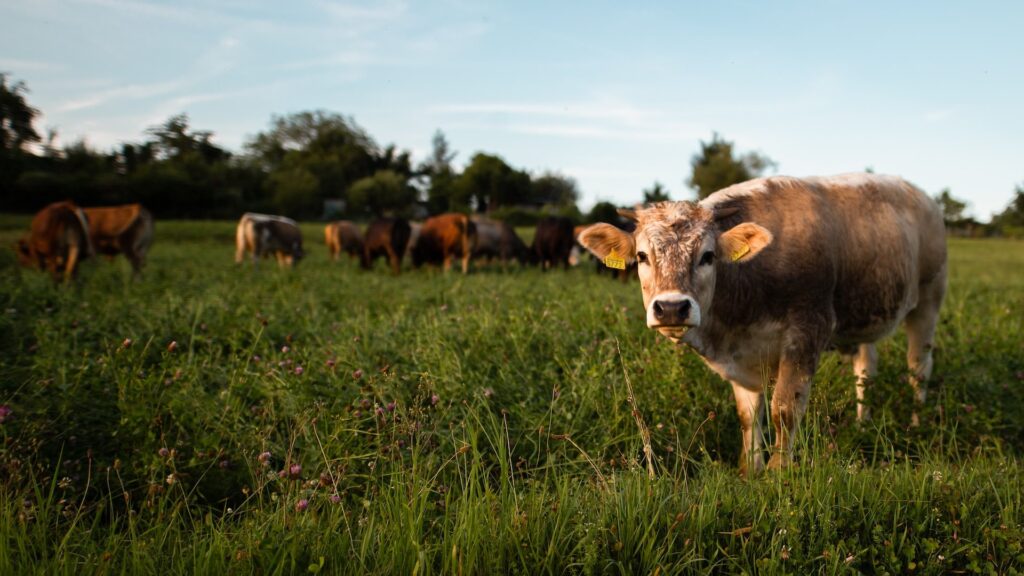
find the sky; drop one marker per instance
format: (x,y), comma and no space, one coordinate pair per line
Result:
(616,95)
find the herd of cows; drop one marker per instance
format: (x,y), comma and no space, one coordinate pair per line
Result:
(63,234)
(760,278)
(440,240)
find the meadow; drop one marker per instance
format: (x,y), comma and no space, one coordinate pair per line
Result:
(214,419)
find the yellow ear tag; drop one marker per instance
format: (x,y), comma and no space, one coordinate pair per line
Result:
(613,260)
(740,253)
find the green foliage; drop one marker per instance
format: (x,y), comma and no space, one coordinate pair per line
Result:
(1011,220)
(478,423)
(438,169)
(656,193)
(16,118)
(489,183)
(603,212)
(716,166)
(386,192)
(553,190)
(952,208)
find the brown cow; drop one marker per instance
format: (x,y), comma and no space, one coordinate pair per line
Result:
(445,237)
(263,234)
(553,242)
(762,277)
(125,229)
(343,236)
(386,237)
(57,242)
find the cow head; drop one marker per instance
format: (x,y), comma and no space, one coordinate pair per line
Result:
(24,253)
(679,248)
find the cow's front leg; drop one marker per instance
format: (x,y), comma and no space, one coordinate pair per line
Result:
(789,402)
(749,408)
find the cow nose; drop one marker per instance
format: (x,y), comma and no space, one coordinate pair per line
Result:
(671,312)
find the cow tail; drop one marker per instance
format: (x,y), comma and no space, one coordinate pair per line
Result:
(86,237)
(144,238)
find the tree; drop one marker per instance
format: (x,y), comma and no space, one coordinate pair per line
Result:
(438,169)
(489,183)
(656,193)
(174,140)
(952,209)
(331,148)
(16,117)
(716,167)
(1011,220)
(553,190)
(384,192)
(603,212)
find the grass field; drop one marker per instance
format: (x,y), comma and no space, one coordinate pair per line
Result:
(216,419)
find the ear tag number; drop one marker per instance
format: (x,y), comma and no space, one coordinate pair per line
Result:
(613,260)
(740,252)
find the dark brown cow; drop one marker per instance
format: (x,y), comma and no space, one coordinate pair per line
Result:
(553,242)
(57,242)
(343,236)
(445,237)
(764,276)
(125,229)
(262,235)
(499,240)
(386,237)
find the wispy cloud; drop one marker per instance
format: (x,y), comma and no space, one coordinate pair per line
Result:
(187,14)
(16,65)
(587,119)
(132,92)
(366,12)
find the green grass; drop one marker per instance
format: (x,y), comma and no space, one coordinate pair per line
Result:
(489,429)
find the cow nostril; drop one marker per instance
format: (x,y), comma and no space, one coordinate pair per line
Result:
(659,310)
(684,307)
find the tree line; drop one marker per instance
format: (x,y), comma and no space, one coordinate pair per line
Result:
(320,164)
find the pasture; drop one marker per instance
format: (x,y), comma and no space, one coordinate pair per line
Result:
(217,419)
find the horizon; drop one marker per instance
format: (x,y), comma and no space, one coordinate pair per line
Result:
(614,97)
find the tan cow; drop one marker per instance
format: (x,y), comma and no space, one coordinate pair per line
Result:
(343,236)
(125,229)
(262,235)
(762,277)
(57,242)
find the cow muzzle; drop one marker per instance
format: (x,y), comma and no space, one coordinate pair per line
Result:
(673,311)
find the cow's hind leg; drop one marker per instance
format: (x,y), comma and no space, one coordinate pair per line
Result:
(865,367)
(920,325)
(750,408)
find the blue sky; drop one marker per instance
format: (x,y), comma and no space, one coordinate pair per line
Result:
(615,94)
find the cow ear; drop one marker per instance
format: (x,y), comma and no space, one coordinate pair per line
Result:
(603,239)
(744,241)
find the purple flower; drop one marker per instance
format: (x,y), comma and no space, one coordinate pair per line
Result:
(294,470)
(285,349)
(334,498)
(488,392)
(301,505)
(256,358)
(391,407)
(5,412)
(264,457)
(434,399)
(163,452)
(357,374)
(224,464)
(330,362)
(299,370)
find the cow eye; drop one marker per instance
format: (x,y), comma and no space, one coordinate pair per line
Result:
(641,257)
(707,258)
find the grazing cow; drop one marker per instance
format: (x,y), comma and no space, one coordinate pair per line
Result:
(125,229)
(553,242)
(445,237)
(57,242)
(263,234)
(386,237)
(343,236)
(499,240)
(762,277)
